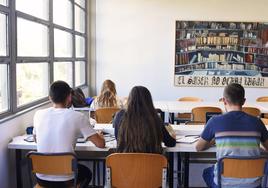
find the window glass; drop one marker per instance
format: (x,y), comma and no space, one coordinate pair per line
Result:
(62,13)
(79,19)
(3,88)
(32,38)
(81,3)
(63,71)
(3,35)
(32,82)
(3,2)
(80,73)
(79,46)
(38,8)
(63,44)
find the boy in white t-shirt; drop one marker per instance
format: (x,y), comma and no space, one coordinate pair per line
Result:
(56,130)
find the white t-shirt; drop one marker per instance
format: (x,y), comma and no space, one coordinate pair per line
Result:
(57,130)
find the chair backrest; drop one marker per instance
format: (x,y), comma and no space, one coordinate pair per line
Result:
(242,167)
(262,99)
(199,113)
(53,163)
(190,99)
(105,115)
(252,111)
(265,121)
(135,170)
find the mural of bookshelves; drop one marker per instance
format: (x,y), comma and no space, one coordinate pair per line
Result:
(221,48)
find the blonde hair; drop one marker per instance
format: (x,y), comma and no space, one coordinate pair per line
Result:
(107,97)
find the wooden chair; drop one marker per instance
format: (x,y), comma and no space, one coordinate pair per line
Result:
(187,116)
(242,167)
(262,99)
(105,115)
(199,113)
(265,121)
(252,111)
(53,164)
(190,99)
(136,170)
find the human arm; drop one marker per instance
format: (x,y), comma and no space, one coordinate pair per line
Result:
(97,139)
(168,140)
(207,138)
(264,135)
(117,121)
(202,145)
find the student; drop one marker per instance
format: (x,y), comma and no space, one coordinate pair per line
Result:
(236,134)
(107,97)
(56,130)
(139,128)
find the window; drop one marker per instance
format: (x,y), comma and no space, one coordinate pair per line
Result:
(37,48)
(3,2)
(81,3)
(62,13)
(79,46)
(63,43)
(79,19)
(80,73)
(3,35)
(3,88)
(32,82)
(63,71)
(32,38)
(37,8)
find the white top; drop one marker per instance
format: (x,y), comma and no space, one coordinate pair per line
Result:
(57,130)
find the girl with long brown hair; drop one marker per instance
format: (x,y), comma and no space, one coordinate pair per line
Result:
(139,128)
(108,96)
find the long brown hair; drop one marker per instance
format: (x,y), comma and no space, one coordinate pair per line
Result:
(140,128)
(107,97)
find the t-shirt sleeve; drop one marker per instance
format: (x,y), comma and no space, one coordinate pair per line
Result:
(209,133)
(86,129)
(264,132)
(117,121)
(35,119)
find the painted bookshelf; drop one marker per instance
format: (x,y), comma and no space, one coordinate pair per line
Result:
(219,47)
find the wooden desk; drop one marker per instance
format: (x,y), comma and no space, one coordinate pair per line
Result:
(18,144)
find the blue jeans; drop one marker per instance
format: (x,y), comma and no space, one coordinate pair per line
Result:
(208,176)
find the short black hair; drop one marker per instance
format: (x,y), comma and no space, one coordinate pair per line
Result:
(235,94)
(59,91)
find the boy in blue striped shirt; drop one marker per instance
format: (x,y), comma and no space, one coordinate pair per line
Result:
(236,134)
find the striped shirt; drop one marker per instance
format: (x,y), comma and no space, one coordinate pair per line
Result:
(236,134)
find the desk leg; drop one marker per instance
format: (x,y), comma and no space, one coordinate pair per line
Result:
(18,167)
(186,170)
(171,118)
(170,174)
(175,170)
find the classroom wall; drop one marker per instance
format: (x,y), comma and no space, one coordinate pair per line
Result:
(135,41)
(8,130)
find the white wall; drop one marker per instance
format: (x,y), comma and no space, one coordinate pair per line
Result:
(8,130)
(135,41)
